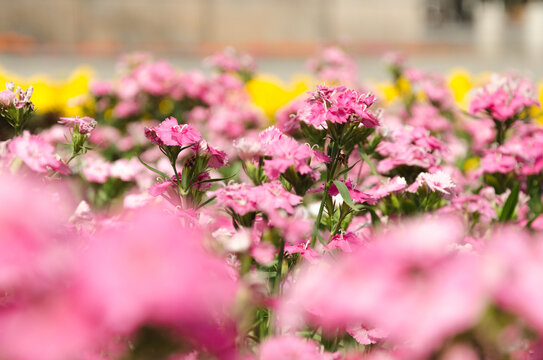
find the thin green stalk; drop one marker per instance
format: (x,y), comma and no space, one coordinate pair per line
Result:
(319,216)
(277,282)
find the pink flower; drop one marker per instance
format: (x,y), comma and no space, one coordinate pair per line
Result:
(230,60)
(126,108)
(239,197)
(141,270)
(515,267)
(155,78)
(50,329)
(7,97)
(101,88)
(392,185)
(97,170)
(495,161)
(126,170)
(504,98)
(366,336)
(333,64)
(289,347)
(413,147)
(409,282)
(312,256)
(36,154)
(345,242)
(285,152)
(32,249)
(429,118)
(268,198)
(439,181)
(285,117)
(217,158)
(173,134)
(85,124)
(338,105)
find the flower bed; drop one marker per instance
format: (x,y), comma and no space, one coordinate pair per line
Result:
(181,215)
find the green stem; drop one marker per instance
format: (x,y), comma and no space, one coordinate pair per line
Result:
(319,216)
(277,282)
(329,179)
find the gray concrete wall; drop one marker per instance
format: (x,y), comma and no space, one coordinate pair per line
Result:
(225,21)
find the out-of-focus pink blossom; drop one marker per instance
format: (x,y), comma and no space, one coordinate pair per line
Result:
(101,88)
(333,64)
(504,98)
(409,282)
(36,154)
(288,347)
(143,269)
(7,98)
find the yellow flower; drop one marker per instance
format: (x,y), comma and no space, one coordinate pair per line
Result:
(270,93)
(388,91)
(472,163)
(460,83)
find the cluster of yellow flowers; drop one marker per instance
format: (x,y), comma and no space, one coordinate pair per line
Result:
(62,96)
(66,96)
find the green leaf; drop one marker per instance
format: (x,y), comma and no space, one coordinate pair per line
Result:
(509,207)
(347,169)
(214,180)
(342,188)
(153,169)
(206,202)
(368,160)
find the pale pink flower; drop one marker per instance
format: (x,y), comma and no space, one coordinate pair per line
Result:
(84,124)
(333,64)
(126,108)
(231,60)
(96,169)
(7,97)
(37,154)
(101,88)
(440,181)
(392,185)
(366,336)
(126,170)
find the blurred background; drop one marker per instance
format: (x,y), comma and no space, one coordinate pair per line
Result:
(55,36)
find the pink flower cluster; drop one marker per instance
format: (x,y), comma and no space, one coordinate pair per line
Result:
(503,98)
(338,105)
